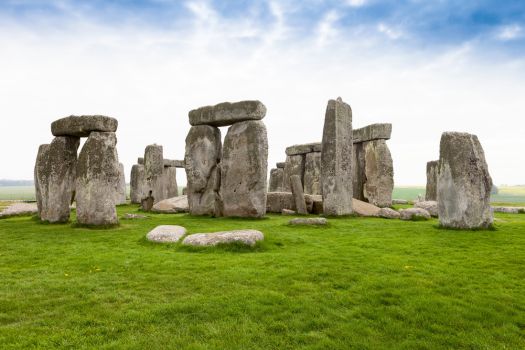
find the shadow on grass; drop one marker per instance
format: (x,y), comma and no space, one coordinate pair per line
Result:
(491,228)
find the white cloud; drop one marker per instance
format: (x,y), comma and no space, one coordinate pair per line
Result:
(356,3)
(390,32)
(327,28)
(510,32)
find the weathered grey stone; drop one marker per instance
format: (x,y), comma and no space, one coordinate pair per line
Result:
(155,184)
(19,209)
(137,184)
(414,214)
(358,171)
(227,113)
(303,149)
(246,237)
(430,206)
(55,173)
(97,178)
(388,213)
(172,205)
(202,157)
(131,216)
(140,160)
(317,204)
(173,163)
(373,132)
(336,159)
(312,173)
(379,173)
(298,195)
(146,203)
(166,234)
(170,182)
(277,201)
(509,210)
(288,212)
(82,126)
(280,165)
(309,221)
(464,183)
(121,186)
(399,201)
(244,168)
(276,180)
(294,165)
(364,209)
(432,176)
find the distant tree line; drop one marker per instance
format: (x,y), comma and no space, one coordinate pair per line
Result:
(6,183)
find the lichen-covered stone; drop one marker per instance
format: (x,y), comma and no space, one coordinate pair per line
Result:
(244,168)
(202,158)
(358,171)
(166,234)
(464,183)
(364,209)
(280,165)
(380,131)
(155,184)
(277,201)
(336,159)
(432,176)
(55,174)
(294,165)
(303,149)
(379,173)
(172,205)
(97,178)
(82,126)
(170,182)
(137,181)
(388,213)
(276,180)
(430,206)
(246,237)
(312,173)
(121,186)
(227,113)
(298,195)
(414,214)
(308,222)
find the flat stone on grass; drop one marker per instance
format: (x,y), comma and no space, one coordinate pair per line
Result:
(308,221)
(414,214)
(246,237)
(166,234)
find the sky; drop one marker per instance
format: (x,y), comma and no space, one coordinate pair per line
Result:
(424,66)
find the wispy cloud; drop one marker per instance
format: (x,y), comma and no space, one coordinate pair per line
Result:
(510,32)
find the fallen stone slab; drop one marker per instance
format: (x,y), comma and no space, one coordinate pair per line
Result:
(414,214)
(303,149)
(509,210)
(389,213)
(82,126)
(166,234)
(174,163)
(247,237)
(364,209)
(288,212)
(379,131)
(18,209)
(298,195)
(430,206)
(227,113)
(399,201)
(130,216)
(172,205)
(309,221)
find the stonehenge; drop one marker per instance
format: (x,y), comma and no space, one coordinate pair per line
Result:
(94,178)
(229,180)
(464,184)
(432,176)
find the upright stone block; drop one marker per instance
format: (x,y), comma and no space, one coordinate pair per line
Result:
(202,158)
(137,182)
(97,179)
(298,195)
(379,173)
(358,171)
(244,169)
(294,165)
(153,170)
(432,176)
(170,177)
(276,180)
(121,186)
(336,159)
(464,183)
(56,171)
(312,173)
(39,171)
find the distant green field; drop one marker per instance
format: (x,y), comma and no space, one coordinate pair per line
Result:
(26,193)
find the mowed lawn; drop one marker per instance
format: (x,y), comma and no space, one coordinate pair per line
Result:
(361,283)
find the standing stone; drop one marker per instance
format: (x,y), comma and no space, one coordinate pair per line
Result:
(298,195)
(336,159)
(202,157)
(379,173)
(137,178)
(97,178)
(57,179)
(170,178)
(358,171)
(312,173)
(244,169)
(294,165)
(40,164)
(464,183)
(121,186)
(280,165)
(276,180)
(432,176)
(154,170)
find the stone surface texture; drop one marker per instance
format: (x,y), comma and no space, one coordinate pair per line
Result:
(358,171)
(16,209)
(166,234)
(97,178)
(365,209)
(170,182)
(379,173)
(137,180)
(39,178)
(294,165)
(82,126)
(303,149)
(298,195)
(309,221)
(202,158)
(464,183)
(227,113)
(312,173)
(430,206)
(388,213)
(244,168)
(155,184)
(373,132)
(432,176)
(172,205)
(414,213)
(276,180)
(121,186)
(246,237)
(336,159)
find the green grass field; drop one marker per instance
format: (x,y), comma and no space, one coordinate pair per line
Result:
(361,283)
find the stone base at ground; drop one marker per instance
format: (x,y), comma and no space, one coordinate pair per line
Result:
(430,206)
(364,209)
(166,234)
(388,213)
(172,205)
(246,237)
(414,214)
